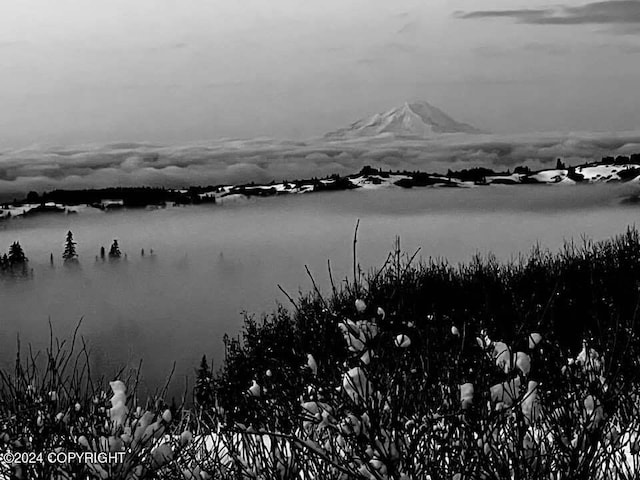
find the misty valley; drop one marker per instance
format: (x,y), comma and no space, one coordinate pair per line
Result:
(186,274)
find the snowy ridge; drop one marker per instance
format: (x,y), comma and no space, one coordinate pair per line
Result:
(369,179)
(25,209)
(373,179)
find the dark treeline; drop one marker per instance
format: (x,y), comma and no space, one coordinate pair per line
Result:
(622,159)
(131,197)
(474,174)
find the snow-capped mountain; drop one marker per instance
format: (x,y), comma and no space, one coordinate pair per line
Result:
(417,119)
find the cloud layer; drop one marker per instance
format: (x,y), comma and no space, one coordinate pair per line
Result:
(617,12)
(263,160)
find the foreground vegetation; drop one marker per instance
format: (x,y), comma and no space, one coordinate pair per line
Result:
(527,369)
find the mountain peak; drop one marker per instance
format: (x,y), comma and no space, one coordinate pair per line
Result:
(411,119)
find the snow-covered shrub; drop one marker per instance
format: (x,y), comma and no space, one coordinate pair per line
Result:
(488,371)
(52,405)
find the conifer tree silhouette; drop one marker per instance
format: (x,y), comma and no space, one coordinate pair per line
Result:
(17,255)
(114,252)
(70,254)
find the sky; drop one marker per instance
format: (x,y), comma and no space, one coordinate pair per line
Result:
(175,71)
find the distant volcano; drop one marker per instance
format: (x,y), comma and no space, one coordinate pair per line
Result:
(417,119)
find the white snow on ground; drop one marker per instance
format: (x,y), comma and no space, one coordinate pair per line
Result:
(601,173)
(278,187)
(12,212)
(567,181)
(514,177)
(232,198)
(228,448)
(591,173)
(550,176)
(17,211)
(112,202)
(207,195)
(374,182)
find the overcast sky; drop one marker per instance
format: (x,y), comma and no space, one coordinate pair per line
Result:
(173,71)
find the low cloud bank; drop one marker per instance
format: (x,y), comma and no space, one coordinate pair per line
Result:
(609,12)
(263,160)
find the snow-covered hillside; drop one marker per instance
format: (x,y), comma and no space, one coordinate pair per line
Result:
(590,173)
(367,179)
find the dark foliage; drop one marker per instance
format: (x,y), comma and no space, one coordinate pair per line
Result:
(70,255)
(522,169)
(15,262)
(114,251)
(203,392)
(336,184)
(132,197)
(16,254)
(575,176)
(629,173)
(472,174)
(588,291)
(420,179)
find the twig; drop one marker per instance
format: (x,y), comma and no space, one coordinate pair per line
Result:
(315,287)
(355,257)
(289,298)
(333,285)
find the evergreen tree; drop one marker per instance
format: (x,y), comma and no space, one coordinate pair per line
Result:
(70,255)
(33,197)
(203,388)
(16,255)
(560,165)
(114,252)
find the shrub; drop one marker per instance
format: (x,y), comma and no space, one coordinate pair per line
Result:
(416,386)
